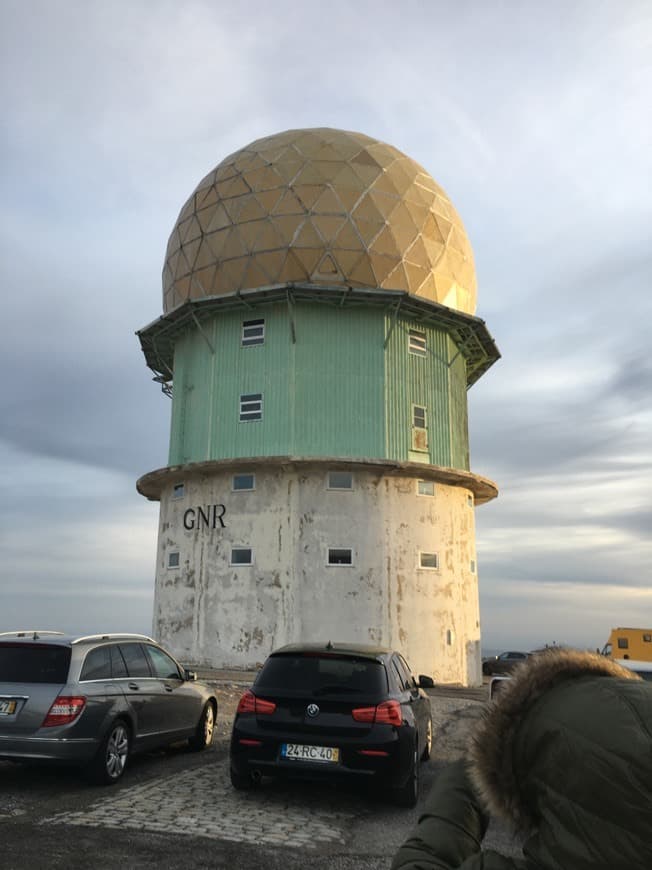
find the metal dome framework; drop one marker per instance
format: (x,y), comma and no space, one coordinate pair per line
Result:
(321,206)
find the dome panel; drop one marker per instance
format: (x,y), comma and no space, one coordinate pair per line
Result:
(319,205)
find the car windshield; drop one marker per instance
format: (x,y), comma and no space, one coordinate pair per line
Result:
(37,663)
(322,674)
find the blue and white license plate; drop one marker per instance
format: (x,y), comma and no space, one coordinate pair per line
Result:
(303,752)
(7,706)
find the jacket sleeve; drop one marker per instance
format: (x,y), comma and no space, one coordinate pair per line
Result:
(450,830)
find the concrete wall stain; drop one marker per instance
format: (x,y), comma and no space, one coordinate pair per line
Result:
(290,593)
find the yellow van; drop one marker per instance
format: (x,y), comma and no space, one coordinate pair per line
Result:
(629,643)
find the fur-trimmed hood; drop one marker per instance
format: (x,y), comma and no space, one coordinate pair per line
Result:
(547,745)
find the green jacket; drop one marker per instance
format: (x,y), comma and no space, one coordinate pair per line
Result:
(565,756)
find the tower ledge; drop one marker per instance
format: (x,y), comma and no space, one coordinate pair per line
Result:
(152,484)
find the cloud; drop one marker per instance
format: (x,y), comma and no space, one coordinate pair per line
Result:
(540,134)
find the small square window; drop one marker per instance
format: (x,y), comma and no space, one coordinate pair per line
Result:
(241,556)
(623,643)
(173,559)
(179,490)
(253,332)
(428,560)
(242,482)
(339,556)
(426,487)
(340,480)
(251,407)
(647,638)
(472,566)
(417,342)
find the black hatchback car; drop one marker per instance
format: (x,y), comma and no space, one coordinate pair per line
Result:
(334,712)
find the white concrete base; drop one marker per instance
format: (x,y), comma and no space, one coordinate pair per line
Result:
(210,612)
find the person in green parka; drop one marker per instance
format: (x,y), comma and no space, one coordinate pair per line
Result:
(564,754)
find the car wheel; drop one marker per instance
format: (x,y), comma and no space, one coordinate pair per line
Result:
(427,749)
(486,669)
(203,736)
(408,795)
(241,781)
(111,759)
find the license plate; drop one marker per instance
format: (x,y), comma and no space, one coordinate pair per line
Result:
(302,752)
(7,708)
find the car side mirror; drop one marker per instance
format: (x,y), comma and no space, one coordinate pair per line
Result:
(189,675)
(425,682)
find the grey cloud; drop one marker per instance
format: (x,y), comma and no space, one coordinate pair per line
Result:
(542,139)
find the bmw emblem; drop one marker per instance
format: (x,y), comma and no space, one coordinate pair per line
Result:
(312,710)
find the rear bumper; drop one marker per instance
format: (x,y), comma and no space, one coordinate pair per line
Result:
(77,751)
(391,764)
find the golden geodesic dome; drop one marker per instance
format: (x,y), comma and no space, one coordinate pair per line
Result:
(321,206)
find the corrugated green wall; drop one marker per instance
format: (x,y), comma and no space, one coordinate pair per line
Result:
(418,380)
(335,391)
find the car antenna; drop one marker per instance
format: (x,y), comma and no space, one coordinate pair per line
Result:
(329,645)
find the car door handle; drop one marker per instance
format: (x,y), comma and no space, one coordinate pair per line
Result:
(134,686)
(168,688)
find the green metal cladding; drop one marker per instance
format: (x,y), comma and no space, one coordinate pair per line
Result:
(336,382)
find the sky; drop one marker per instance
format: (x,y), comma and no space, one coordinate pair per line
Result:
(535,118)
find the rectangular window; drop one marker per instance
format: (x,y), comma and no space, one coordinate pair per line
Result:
(428,560)
(242,482)
(647,638)
(340,480)
(417,342)
(179,490)
(426,487)
(173,560)
(472,566)
(419,428)
(623,643)
(251,407)
(418,416)
(241,556)
(469,500)
(253,332)
(339,556)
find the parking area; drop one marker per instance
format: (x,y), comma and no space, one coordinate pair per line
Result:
(174,809)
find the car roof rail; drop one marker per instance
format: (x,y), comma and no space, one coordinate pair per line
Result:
(114,636)
(35,632)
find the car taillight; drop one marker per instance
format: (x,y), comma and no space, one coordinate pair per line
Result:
(65,709)
(249,703)
(388,712)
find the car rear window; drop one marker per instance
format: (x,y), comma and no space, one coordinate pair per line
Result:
(36,663)
(317,674)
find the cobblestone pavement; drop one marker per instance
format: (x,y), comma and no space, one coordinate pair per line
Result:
(202,802)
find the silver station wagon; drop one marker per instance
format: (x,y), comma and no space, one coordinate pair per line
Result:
(92,701)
